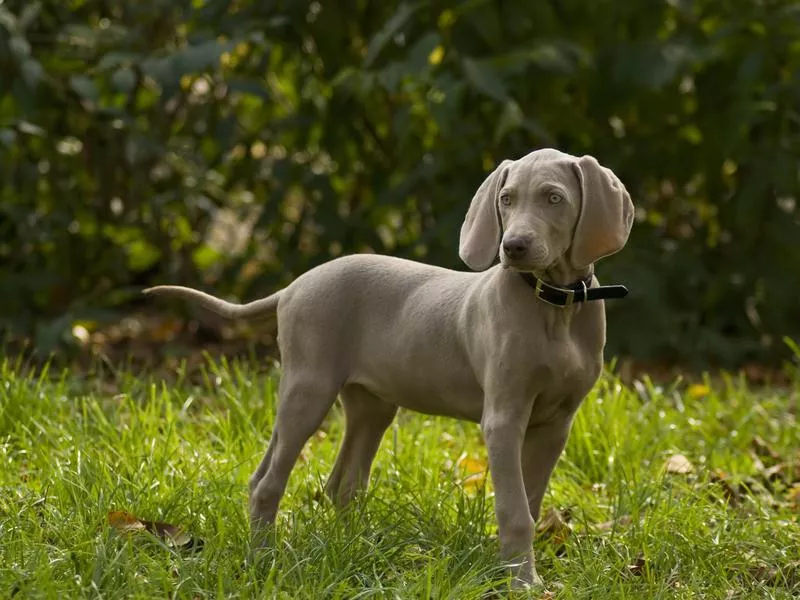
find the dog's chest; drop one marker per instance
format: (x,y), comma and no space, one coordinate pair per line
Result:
(571,371)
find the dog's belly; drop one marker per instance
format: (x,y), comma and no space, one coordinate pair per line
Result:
(422,378)
(445,397)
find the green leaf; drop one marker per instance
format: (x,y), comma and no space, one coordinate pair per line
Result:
(390,76)
(84,86)
(123,80)
(20,47)
(8,20)
(249,87)
(417,61)
(7,136)
(28,14)
(195,59)
(169,69)
(510,119)
(32,72)
(388,31)
(484,79)
(116,59)
(29,128)
(345,77)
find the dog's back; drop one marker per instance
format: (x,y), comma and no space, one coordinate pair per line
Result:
(374,319)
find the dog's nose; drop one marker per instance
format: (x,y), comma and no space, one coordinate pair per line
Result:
(515,247)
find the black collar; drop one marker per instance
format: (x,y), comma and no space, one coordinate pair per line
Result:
(580,291)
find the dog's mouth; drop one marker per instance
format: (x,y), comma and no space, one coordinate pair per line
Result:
(527,264)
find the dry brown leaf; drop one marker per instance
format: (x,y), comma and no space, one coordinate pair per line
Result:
(763,449)
(165,330)
(764,573)
(473,472)
(554,527)
(732,492)
(637,567)
(679,465)
(622,521)
(172,534)
(123,521)
(758,464)
(774,472)
(793,496)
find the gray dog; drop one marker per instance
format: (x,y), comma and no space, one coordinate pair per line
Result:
(515,347)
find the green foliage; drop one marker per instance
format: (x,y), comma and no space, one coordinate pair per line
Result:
(75,450)
(130,130)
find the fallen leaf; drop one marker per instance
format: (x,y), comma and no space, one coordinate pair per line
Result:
(758,464)
(172,534)
(124,521)
(554,527)
(766,574)
(166,330)
(793,496)
(698,390)
(474,482)
(471,465)
(763,449)
(730,491)
(622,521)
(679,465)
(473,472)
(637,567)
(774,472)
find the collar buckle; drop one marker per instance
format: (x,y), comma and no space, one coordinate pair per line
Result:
(569,293)
(552,295)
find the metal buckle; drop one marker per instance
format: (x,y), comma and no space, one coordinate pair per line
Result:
(570,296)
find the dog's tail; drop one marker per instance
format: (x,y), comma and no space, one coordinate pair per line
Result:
(258,309)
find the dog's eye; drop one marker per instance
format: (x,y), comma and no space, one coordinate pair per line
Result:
(505,200)
(554,198)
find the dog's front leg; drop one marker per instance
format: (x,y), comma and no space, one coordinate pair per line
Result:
(503,429)
(541,450)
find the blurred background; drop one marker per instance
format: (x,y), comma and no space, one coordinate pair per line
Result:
(232,145)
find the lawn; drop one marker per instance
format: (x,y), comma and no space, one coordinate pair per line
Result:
(674,492)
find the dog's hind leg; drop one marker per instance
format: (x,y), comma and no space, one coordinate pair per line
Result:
(303,403)
(366,419)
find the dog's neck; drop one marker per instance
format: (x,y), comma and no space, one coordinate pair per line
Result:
(562,274)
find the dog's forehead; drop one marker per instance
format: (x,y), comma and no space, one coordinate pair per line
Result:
(540,166)
(546,155)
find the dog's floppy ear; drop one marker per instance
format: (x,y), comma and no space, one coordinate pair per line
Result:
(480,234)
(606,214)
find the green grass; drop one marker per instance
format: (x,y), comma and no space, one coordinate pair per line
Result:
(73,449)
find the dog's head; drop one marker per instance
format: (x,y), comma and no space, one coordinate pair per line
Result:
(543,207)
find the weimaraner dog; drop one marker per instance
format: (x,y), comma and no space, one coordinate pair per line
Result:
(515,347)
